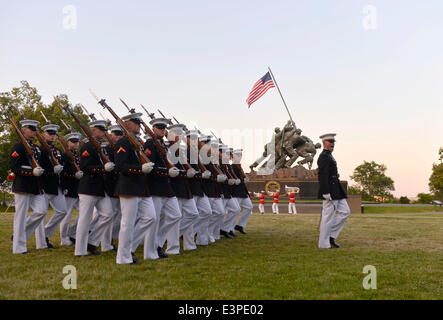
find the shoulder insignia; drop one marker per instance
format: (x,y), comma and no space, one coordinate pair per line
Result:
(85,154)
(120,150)
(147,152)
(15,154)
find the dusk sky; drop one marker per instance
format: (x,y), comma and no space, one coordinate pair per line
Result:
(370,71)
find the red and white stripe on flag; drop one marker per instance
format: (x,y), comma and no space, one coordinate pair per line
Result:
(260,88)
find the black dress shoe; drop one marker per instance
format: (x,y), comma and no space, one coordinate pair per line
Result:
(12,237)
(49,244)
(134,258)
(240,229)
(93,249)
(232,233)
(333,243)
(225,234)
(161,253)
(26,252)
(72,240)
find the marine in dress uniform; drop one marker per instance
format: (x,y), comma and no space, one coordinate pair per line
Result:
(291,205)
(110,182)
(276,195)
(165,202)
(241,194)
(213,191)
(201,224)
(26,189)
(69,184)
(232,209)
(92,194)
(138,218)
(332,194)
(50,181)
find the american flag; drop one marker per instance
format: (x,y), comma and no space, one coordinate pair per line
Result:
(260,88)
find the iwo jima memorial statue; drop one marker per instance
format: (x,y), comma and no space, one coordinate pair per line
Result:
(278,170)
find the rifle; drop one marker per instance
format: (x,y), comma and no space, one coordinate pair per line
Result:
(237,165)
(214,165)
(186,164)
(191,149)
(86,130)
(156,143)
(133,111)
(22,138)
(42,141)
(143,158)
(64,144)
(93,118)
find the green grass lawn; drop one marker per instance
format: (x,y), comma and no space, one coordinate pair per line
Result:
(277,259)
(400,209)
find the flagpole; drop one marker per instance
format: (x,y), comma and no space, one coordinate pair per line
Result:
(284,102)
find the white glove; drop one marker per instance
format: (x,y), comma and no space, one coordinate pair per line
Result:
(147,167)
(57,169)
(221,178)
(109,166)
(191,172)
(206,174)
(246,179)
(237,182)
(231,182)
(327,196)
(79,174)
(173,172)
(38,171)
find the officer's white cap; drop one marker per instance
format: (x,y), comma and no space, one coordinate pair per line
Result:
(51,127)
(238,152)
(135,117)
(29,122)
(101,124)
(328,136)
(73,135)
(115,127)
(162,122)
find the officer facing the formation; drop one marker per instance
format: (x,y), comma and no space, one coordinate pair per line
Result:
(332,194)
(92,194)
(26,188)
(69,183)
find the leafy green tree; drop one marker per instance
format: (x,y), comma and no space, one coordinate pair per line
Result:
(373,182)
(27,99)
(436,178)
(404,200)
(424,198)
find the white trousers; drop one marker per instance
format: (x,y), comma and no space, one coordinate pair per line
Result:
(201,224)
(106,240)
(87,203)
(168,216)
(246,205)
(291,208)
(261,208)
(275,208)
(71,204)
(24,227)
(138,222)
(185,228)
(218,213)
(331,224)
(232,210)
